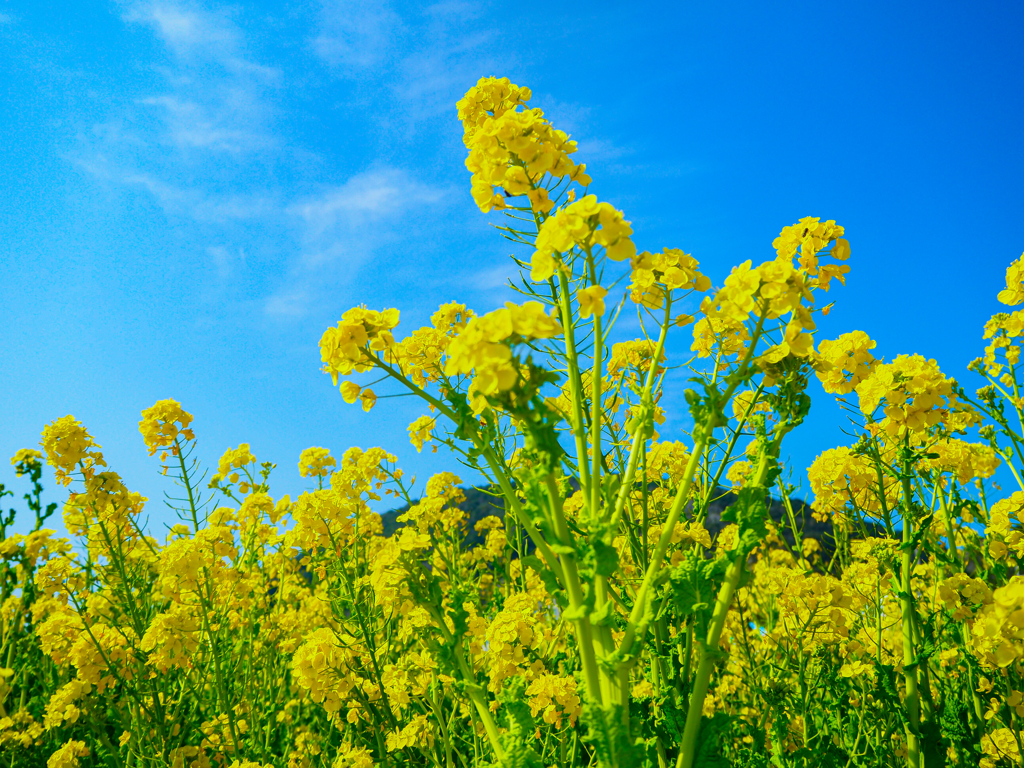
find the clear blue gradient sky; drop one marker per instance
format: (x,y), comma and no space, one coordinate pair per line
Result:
(192,192)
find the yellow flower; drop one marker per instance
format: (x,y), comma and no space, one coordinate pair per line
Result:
(738,473)
(543,266)
(162,423)
(348,346)
(727,334)
(235,458)
(587,223)
(591,300)
(316,462)
(350,391)
(1013,294)
(916,396)
(24,459)
(421,430)
(67,756)
(415,734)
(67,445)
(482,347)
(555,696)
(629,357)
(845,362)
(654,274)
(368,399)
(511,147)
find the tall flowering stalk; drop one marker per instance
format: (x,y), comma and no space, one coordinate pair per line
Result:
(532,392)
(619,599)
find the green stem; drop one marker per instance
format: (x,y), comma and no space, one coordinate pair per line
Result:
(912,700)
(709,646)
(575,384)
(577,605)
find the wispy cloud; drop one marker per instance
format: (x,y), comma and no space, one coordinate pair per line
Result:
(577,120)
(215,98)
(348,221)
(6,18)
(189,201)
(209,102)
(341,228)
(226,261)
(187,29)
(354,35)
(291,304)
(425,58)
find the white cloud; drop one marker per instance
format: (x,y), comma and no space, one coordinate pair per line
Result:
(292,304)
(355,34)
(195,34)
(598,150)
(216,94)
(224,123)
(492,278)
(431,80)
(350,219)
(177,200)
(225,261)
(577,121)
(427,58)
(343,226)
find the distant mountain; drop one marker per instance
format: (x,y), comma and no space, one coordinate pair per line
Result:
(481,503)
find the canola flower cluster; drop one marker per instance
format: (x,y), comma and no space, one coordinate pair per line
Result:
(621,598)
(512,148)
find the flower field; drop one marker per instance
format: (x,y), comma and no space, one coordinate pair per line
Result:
(596,618)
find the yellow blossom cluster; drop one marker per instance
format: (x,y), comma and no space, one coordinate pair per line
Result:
(841,477)
(810,236)
(24,459)
(998,631)
(962,595)
(232,460)
(845,362)
(483,347)
(67,446)
(1003,531)
(554,697)
(421,431)
(585,223)
(346,348)
(316,462)
(512,147)
(633,358)
(917,396)
(1013,294)
(966,461)
(776,288)
(420,356)
(1003,329)
(162,424)
(655,274)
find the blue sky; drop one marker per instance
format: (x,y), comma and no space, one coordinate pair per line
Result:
(192,192)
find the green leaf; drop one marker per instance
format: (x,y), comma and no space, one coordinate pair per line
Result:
(610,740)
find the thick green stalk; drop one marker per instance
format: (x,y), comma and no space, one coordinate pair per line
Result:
(579,431)
(709,646)
(612,690)
(581,620)
(492,461)
(646,401)
(912,699)
(637,623)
